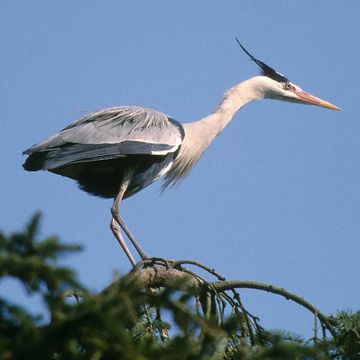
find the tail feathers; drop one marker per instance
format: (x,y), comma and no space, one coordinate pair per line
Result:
(35,161)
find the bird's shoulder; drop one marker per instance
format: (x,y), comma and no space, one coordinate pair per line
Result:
(123,116)
(123,123)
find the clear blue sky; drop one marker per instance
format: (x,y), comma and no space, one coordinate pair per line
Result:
(276,198)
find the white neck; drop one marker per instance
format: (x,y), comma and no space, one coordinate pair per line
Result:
(200,134)
(234,99)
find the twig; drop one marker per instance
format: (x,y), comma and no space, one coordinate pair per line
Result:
(229,285)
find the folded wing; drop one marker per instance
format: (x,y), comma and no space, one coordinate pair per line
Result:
(105,135)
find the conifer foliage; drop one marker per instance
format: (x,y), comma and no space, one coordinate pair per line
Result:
(132,320)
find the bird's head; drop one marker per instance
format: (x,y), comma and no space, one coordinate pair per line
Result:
(281,88)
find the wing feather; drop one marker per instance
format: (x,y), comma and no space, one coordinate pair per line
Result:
(108,134)
(80,153)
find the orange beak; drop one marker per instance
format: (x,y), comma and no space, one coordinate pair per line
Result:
(311,99)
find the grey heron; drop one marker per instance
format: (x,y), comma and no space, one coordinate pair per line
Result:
(118,151)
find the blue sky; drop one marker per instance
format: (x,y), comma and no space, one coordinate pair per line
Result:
(275,198)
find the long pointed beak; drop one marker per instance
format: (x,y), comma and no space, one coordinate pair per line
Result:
(311,99)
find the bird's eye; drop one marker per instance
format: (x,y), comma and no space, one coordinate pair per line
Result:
(287,86)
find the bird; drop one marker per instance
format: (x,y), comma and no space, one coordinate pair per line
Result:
(118,151)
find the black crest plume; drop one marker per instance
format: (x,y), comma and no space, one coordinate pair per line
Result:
(266,69)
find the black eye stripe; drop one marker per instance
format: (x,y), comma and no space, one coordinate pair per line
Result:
(266,69)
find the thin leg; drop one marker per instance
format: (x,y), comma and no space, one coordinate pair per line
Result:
(115,211)
(116,231)
(131,238)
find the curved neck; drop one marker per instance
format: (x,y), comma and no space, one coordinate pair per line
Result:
(200,134)
(233,100)
(239,95)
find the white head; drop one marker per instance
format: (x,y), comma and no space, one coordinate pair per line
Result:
(287,91)
(274,85)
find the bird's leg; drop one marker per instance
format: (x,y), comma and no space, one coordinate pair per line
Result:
(114,225)
(116,231)
(115,211)
(132,238)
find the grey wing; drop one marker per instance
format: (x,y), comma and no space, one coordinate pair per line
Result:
(108,134)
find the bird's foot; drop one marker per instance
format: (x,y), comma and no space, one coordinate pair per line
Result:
(155,261)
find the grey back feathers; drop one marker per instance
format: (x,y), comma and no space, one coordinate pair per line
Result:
(100,149)
(108,134)
(124,123)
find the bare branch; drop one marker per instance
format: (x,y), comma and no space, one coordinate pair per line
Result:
(181,279)
(244,284)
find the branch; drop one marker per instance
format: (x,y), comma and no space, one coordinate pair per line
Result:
(175,278)
(162,277)
(244,284)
